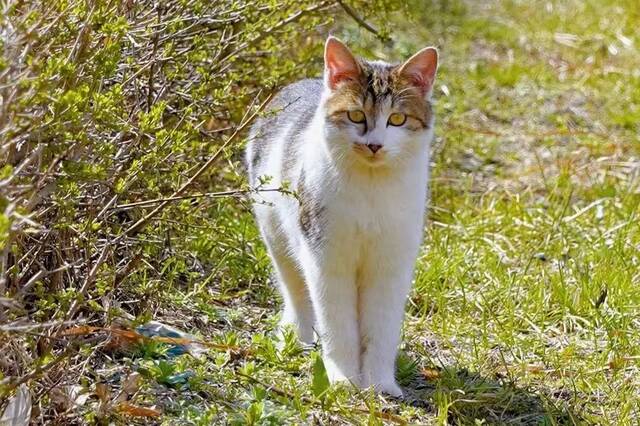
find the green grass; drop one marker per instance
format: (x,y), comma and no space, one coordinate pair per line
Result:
(527,293)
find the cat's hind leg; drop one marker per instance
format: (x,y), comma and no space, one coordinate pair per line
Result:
(334,297)
(297,311)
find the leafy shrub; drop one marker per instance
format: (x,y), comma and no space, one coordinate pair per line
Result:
(120,129)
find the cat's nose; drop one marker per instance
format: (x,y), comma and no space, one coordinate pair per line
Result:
(373,147)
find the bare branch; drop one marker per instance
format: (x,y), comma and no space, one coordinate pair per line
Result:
(364,24)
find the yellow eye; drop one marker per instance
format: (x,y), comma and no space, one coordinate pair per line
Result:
(356,116)
(397,119)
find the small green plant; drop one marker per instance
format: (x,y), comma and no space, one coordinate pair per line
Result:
(319,381)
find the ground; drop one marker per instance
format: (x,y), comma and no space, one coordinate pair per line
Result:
(527,291)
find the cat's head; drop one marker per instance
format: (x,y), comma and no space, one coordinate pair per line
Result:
(377,113)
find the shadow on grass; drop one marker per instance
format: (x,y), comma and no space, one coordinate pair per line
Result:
(470,398)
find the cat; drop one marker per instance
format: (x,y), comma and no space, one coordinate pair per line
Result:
(354,149)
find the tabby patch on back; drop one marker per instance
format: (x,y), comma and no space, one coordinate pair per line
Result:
(355,147)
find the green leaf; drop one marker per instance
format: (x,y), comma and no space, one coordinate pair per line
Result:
(5,171)
(5,226)
(320,382)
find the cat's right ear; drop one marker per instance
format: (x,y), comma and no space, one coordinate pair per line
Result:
(339,63)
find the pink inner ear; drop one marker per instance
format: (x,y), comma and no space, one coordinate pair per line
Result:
(421,81)
(337,77)
(340,63)
(421,68)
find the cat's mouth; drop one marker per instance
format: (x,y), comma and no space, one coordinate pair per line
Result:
(369,156)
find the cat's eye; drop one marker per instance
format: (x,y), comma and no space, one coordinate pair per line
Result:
(397,119)
(356,116)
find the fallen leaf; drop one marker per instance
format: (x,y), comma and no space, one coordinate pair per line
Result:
(103,393)
(123,339)
(119,337)
(82,330)
(132,383)
(138,411)
(131,335)
(129,387)
(67,397)
(430,373)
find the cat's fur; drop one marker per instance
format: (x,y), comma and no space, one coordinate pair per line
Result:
(344,247)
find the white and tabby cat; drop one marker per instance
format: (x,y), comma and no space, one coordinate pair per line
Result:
(355,148)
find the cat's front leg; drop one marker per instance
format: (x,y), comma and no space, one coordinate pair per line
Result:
(334,299)
(383,292)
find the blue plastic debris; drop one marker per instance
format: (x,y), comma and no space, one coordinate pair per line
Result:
(155,328)
(180,378)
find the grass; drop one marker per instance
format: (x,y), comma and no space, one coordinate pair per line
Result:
(526,295)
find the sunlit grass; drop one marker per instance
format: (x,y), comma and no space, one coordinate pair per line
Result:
(527,293)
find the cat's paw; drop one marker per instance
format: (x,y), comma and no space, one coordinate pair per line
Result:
(338,376)
(390,388)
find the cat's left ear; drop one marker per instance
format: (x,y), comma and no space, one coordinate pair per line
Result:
(420,69)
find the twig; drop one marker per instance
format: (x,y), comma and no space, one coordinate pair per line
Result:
(88,281)
(293,18)
(124,272)
(140,223)
(229,193)
(6,386)
(364,24)
(18,327)
(16,172)
(153,61)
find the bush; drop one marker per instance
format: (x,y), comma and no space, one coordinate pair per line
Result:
(120,129)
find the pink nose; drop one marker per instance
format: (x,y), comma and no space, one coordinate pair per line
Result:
(374,147)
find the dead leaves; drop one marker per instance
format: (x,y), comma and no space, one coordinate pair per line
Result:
(65,398)
(430,373)
(130,386)
(79,330)
(120,338)
(123,339)
(138,411)
(121,403)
